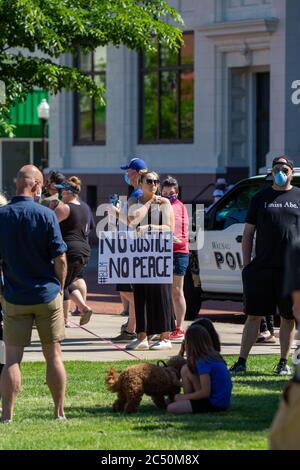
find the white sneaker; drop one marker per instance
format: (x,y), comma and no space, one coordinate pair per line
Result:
(154,338)
(61,418)
(161,345)
(138,345)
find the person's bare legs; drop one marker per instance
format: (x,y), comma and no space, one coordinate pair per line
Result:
(178,300)
(66,306)
(55,376)
(250,332)
(191,383)
(80,284)
(164,336)
(286,336)
(124,300)
(85,310)
(142,335)
(131,323)
(77,298)
(10,380)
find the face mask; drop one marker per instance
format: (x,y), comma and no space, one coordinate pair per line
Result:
(281,179)
(126,178)
(172,198)
(37,197)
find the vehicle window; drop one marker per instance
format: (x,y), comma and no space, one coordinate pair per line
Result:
(234,208)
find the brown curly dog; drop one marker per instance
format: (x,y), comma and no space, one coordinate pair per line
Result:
(149,379)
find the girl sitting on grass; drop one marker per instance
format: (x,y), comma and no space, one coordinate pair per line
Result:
(206,380)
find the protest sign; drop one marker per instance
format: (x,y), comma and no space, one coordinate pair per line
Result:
(131,258)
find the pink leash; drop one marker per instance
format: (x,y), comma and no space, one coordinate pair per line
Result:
(105,339)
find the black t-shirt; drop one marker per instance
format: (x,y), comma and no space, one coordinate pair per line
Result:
(91,223)
(74,230)
(292,268)
(276,215)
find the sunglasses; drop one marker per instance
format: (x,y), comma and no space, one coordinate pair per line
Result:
(150,181)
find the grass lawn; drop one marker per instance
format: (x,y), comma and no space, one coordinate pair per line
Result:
(92,425)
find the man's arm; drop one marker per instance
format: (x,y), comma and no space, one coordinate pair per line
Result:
(247,243)
(61,267)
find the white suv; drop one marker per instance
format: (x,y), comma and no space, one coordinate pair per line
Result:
(215,270)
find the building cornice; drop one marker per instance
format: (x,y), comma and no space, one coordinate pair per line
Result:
(223,30)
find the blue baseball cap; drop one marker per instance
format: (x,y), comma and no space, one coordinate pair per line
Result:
(136,164)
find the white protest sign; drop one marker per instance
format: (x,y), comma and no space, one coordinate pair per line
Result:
(131,258)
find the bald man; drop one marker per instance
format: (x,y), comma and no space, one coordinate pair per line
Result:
(34,268)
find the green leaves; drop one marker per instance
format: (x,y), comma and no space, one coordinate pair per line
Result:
(55,27)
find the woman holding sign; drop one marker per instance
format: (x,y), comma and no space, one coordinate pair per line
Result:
(153,302)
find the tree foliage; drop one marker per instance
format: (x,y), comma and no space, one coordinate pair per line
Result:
(55,27)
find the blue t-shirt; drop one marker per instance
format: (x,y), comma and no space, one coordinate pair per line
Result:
(30,238)
(221,385)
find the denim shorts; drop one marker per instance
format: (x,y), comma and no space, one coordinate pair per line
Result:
(180,263)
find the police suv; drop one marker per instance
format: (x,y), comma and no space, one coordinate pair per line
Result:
(215,269)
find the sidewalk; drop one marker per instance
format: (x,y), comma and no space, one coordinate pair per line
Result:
(80,345)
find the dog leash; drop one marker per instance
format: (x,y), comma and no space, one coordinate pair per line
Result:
(104,339)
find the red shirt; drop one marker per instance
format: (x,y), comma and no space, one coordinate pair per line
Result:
(181,227)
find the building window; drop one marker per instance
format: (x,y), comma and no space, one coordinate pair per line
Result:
(89,114)
(166,104)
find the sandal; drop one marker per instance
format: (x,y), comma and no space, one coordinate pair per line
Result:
(85,317)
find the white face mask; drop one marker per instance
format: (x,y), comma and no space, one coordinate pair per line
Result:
(38,197)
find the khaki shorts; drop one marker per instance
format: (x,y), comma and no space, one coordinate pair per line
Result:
(18,322)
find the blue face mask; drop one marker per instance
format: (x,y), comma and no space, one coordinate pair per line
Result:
(172,198)
(281,179)
(126,178)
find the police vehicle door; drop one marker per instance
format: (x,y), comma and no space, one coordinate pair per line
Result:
(220,259)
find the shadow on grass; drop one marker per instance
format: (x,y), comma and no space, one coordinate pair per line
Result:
(248,413)
(276,385)
(73,412)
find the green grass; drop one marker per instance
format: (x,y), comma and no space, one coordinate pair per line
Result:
(92,425)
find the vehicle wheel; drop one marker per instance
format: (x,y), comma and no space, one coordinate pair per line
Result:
(192,296)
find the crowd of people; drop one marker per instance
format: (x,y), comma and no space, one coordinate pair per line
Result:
(44,249)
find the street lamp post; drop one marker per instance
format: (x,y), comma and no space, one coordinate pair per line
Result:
(43,110)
